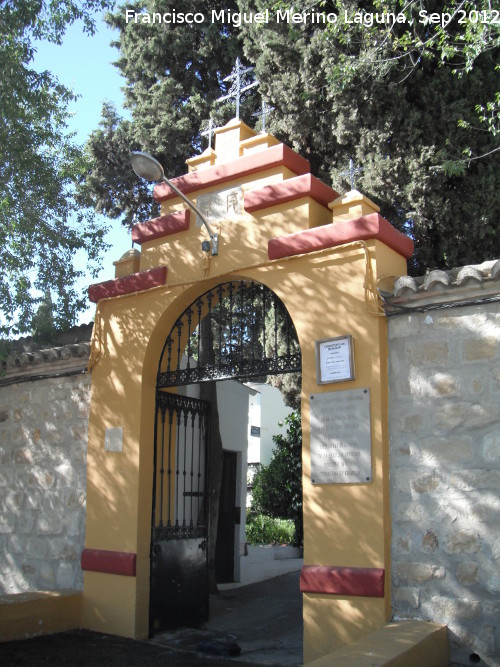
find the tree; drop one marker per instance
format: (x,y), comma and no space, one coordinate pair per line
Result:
(173,75)
(334,101)
(39,164)
(277,488)
(452,34)
(44,331)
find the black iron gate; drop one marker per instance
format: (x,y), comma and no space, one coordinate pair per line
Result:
(239,329)
(179,565)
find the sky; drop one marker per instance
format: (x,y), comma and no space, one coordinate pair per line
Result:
(84,64)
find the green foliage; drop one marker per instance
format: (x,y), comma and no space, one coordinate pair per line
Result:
(415,104)
(261,529)
(40,224)
(44,330)
(393,105)
(173,77)
(277,488)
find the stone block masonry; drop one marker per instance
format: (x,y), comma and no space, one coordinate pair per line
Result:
(43,453)
(444,424)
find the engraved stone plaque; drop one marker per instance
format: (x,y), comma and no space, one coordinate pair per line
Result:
(220,205)
(113,439)
(341,437)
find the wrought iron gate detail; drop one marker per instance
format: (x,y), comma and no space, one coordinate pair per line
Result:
(251,335)
(179,556)
(181,462)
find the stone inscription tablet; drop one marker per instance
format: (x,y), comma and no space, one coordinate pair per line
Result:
(113,439)
(341,437)
(220,205)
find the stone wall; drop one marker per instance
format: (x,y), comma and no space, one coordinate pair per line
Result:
(44,406)
(444,425)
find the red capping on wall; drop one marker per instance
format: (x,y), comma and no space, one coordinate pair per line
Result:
(162,226)
(306,185)
(136,282)
(367,227)
(276,156)
(356,581)
(111,562)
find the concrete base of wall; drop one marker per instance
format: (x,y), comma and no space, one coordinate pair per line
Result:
(267,562)
(26,615)
(405,644)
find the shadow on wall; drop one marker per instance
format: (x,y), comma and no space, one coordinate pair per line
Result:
(445,474)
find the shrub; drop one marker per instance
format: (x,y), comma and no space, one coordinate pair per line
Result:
(277,488)
(262,529)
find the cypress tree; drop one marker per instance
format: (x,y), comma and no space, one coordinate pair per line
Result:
(400,125)
(173,75)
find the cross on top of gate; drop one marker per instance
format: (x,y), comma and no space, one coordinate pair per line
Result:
(209,131)
(239,86)
(264,111)
(352,172)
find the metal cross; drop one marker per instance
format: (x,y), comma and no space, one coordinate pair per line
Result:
(352,172)
(265,110)
(209,132)
(239,84)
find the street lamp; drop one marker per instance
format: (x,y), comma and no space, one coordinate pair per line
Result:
(145,166)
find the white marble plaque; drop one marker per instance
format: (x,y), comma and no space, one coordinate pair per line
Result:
(220,205)
(113,439)
(341,450)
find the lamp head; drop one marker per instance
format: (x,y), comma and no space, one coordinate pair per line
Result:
(146,166)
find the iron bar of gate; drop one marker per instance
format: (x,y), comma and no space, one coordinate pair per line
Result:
(162,465)
(177,469)
(200,442)
(179,330)
(189,314)
(169,485)
(186,416)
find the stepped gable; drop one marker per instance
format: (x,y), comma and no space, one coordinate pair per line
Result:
(354,218)
(249,186)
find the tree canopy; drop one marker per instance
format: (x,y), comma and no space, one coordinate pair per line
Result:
(42,228)
(342,92)
(415,105)
(173,74)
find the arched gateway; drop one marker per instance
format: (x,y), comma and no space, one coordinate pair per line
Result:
(324,257)
(238,330)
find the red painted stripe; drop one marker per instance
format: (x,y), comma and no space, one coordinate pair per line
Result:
(136,282)
(293,188)
(356,581)
(112,562)
(372,226)
(276,156)
(162,226)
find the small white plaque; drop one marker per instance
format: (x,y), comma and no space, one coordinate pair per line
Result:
(341,450)
(113,439)
(220,205)
(334,360)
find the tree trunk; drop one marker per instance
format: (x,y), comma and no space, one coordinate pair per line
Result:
(208,392)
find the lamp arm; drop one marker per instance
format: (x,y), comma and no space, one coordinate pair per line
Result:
(192,206)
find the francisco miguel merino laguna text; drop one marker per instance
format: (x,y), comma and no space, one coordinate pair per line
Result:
(365,19)
(225,16)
